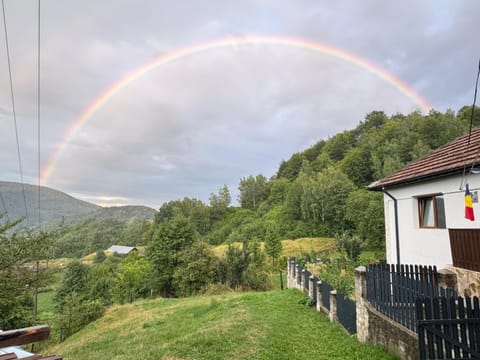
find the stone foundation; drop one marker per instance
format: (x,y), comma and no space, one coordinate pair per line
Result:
(385,332)
(375,328)
(467,281)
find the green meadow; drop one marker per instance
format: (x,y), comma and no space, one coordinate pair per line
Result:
(262,325)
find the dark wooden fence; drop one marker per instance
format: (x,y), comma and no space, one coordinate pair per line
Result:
(448,328)
(346,310)
(326,288)
(393,290)
(306,278)
(347,313)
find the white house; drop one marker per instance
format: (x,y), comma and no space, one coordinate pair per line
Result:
(425,207)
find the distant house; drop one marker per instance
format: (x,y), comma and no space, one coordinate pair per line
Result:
(425,207)
(121,250)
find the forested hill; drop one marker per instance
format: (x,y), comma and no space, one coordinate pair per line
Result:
(381,144)
(322,191)
(54,204)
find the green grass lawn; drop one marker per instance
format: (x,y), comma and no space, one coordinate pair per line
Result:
(269,325)
(46,303)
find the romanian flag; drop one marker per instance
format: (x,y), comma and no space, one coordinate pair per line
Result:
(468,205)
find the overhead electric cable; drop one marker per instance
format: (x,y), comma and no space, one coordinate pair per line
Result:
(3,205)
(37,268)
(38,118)
(465,178)
(14,112)
(474,101)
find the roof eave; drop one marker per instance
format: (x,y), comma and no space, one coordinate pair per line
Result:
(413,180)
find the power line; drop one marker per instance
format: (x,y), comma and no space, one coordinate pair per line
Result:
(38,117)
(474,101)
(35,298)
(464,176)
(3,204)
(13,111)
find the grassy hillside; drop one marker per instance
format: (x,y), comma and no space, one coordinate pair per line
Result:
(295,248)
(54,204)
(272,325)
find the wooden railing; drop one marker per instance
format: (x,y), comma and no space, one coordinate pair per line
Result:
(25,336)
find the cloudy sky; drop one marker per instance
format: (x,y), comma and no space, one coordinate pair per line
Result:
(211,117)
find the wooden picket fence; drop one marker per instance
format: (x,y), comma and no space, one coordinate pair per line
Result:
(448,328)
(393,290)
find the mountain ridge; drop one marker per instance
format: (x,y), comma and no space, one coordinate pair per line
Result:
(57,207)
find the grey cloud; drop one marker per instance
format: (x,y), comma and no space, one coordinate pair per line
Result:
(192,125)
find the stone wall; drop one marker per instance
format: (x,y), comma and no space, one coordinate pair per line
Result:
(375,328)
(393,336)
(467,281)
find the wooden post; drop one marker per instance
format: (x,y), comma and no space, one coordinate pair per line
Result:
(281,280)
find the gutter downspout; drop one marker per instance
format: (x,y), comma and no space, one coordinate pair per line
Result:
(397,237)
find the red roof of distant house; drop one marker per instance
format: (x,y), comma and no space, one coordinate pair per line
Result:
(449,159)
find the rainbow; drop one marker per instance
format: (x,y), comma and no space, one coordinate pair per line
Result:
(87,113)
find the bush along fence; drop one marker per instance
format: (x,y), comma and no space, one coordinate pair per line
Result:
(336,305)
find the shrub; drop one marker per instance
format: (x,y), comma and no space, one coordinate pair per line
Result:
(77,314)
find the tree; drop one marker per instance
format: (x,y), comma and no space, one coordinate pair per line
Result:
(337,146)
(166,250)
(74,281)
(351,245)
(99,257)
(291,168)
(253,190)
(100,280)
(133,280)
(243,267)
(76,314)
(196,271)
(273,244)
(219,203)
(277,191)
(364,209)
(465,116)
(17,277)
(357,165)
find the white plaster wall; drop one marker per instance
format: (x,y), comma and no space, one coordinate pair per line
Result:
(427,246)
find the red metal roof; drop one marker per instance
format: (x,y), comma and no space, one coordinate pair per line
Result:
(450,158)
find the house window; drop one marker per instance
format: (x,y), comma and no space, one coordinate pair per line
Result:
(431,211)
